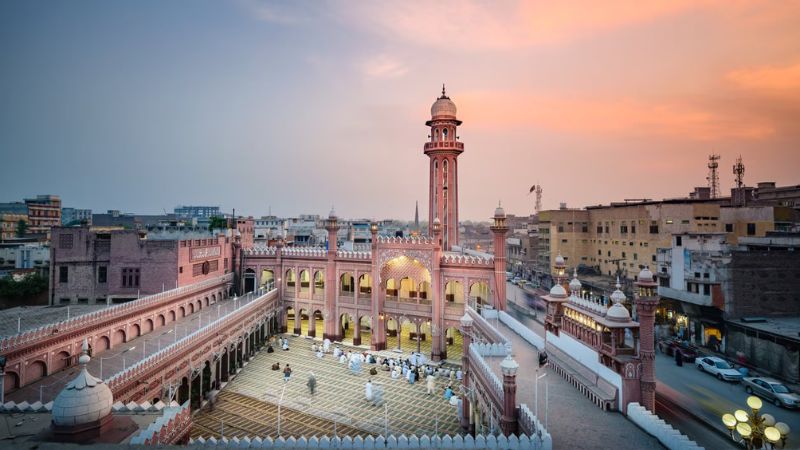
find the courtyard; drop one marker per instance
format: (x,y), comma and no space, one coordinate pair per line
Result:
(248,405)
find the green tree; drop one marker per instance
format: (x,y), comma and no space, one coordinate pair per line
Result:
(22,228)
(217,223)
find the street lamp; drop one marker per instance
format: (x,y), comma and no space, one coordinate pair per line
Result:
(755,430)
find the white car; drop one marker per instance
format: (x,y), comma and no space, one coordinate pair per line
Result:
(719,368)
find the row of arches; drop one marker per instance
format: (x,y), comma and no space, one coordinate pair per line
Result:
(401,333)
(40,368)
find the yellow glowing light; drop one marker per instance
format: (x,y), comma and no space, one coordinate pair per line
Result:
(729,421)
(772,434)
(741,415)
(754,402)
(744,430)
(782,428)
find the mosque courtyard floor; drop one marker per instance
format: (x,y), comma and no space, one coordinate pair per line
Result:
(248,405)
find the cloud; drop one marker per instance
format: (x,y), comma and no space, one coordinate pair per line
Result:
(274,12)
(384,66)
(620,116)
(470,25)
(768,78)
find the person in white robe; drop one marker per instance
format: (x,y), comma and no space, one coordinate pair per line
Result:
(368,390)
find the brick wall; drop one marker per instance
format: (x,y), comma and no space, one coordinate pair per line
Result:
(764,283)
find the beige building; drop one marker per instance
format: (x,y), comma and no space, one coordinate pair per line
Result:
(623,237)
(9,223)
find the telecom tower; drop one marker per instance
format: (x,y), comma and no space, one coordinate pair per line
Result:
(738,171)
(713,176)
(538,191)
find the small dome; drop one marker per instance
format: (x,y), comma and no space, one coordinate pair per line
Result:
(443,106)
(575,284)
(332,214)
(466,320)
(618,296)
(558,291)
(499,211)
(618,313)
(645,276)
(560,260)
(436,221)
(84,400)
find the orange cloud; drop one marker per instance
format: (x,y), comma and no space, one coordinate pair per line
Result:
(508,25)
(384,66)
(619,116)
(770,78)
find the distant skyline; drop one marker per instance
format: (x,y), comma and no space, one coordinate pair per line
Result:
(298,106)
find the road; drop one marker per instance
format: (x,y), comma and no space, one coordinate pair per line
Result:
(682,389)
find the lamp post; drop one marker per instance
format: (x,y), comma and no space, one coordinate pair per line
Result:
(755,430)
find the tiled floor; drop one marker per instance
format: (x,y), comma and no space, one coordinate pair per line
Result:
(247,405)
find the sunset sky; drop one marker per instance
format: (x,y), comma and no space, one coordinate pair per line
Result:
(297,106)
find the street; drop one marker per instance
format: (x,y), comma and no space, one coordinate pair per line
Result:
(699,393)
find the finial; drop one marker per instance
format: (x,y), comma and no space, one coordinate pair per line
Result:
(618,285)
(575,272)
(443,90)
(84,359)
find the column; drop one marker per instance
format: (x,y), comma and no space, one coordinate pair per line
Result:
(419,330)
(466,331)
(438,350)
(312,323)
(508,421)
(298,318)
(379,317)
(357,331)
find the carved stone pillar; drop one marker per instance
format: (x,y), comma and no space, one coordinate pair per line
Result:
(508,421)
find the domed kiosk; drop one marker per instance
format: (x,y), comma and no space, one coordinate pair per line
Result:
(83,409)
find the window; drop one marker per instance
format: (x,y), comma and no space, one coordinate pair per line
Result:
(685,221)
(635,256)
(100,300)
(584,228)
(599,253)
(633,229)
(102,274)
(653,227)
(83,301)
(653,258)
(130,277)
(599,229)
(706,289)
(697,274)
(63,274)
(751,229)
(623,229)
(63,300)
(678,241)
(729,228)
(180,269)
(623,254)
(560,228)
(564,241)
(669,221)
(65,241)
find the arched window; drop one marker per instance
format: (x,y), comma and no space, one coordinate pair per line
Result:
(444,134)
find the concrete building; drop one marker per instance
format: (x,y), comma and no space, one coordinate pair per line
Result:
(10,215)
(267,228)
(90,266)
(621,238)
(197,212)
(76,216)
(44,212)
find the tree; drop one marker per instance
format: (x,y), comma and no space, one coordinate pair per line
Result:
(217,223)
(27,286)
(22,228)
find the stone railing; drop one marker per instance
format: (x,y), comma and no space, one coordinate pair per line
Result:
(131,374)
(85,320)
(588,305)
(421,240)
(261,251)
(485,375)
(651,423)
(117,408)
(304,252)
(523,331)
(457,441)
(463,260)
(485,329)
(169,429)
(345,254)
(486,349)
(530,425)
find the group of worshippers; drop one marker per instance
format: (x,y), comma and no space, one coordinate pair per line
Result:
(283,343)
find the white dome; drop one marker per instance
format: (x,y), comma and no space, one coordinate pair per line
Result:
(575,284)
(443,106)
(618,313)
(558,291)
(645,276)
(437,221)
(499,211)
(84,400)
(560,260)
(618,296)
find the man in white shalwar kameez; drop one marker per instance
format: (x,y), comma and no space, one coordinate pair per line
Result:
(368,390)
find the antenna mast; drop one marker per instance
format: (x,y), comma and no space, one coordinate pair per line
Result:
(738,171)
(713,175)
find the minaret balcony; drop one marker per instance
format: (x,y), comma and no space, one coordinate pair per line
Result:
(444,145)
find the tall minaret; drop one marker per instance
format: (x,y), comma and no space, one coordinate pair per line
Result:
(443,150)
(646,302)
(416,217)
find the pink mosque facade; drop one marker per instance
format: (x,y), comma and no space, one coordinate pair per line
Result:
(422,281)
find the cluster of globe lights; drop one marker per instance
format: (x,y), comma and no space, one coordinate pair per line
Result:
(755,429)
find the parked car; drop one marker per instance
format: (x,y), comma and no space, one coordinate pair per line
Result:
(772,390)
(719,368)
(669,346)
